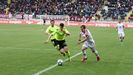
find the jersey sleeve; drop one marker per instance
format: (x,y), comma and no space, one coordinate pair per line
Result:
(66,31)
(87,33)
(47,30)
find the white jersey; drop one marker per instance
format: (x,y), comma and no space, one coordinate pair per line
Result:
(87,33)
(89,42)
(120,27)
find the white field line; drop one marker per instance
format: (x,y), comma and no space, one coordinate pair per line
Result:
(55,65)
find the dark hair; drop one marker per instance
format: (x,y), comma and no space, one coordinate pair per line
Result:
(83,26)
(51,20)
(61,24)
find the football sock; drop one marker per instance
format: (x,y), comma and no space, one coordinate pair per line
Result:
(56,47)
(84,53)
(95,51)
(63,53)
(68,53)
(121,39)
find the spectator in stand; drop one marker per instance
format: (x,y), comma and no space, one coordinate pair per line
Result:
(114,8)
(55,7)
(117,9)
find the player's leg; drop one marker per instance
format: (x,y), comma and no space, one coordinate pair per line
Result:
(61,49)
(67,52)
(62,52)
(55,44)
(122,36)
(44,21)
(93,49)
(64,46)
(121,39)
(119,36)
(91,45)
(84,54)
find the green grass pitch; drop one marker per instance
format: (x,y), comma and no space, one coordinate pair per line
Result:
(22,52)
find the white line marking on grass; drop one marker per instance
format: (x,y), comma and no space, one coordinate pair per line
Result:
(53,66)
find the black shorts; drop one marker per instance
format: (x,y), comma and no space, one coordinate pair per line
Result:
(61,43)
(44,21)
(54,42)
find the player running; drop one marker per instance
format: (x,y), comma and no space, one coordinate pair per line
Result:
(50,30)
(88,43)
(60,35)
(120,29)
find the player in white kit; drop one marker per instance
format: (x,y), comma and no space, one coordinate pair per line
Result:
(120,29)
(88,42)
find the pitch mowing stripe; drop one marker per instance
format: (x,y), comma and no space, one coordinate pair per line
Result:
(53,66)
(22,48)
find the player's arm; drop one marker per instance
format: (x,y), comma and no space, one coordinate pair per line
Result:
(84,39)
(66,32)
(47,31)
(79,39)
(49,37)
(116,27)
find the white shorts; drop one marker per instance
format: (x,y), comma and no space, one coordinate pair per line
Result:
(121,34)
(90,44)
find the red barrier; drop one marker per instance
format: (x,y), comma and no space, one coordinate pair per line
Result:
(71,23)
(19,22)
(101,24)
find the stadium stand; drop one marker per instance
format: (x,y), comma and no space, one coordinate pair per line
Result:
(114,9)
(52,7)
(3,6)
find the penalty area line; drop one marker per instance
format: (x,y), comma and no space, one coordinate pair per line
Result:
(55,65)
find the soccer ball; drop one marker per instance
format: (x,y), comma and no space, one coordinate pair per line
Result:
(60,62)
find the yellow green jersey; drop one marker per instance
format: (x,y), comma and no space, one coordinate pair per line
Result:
(51,30)
(60,35)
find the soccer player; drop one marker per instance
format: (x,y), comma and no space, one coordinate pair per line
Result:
(120,29)
(44,21)
(60,35)
(51,29)
(88,42)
